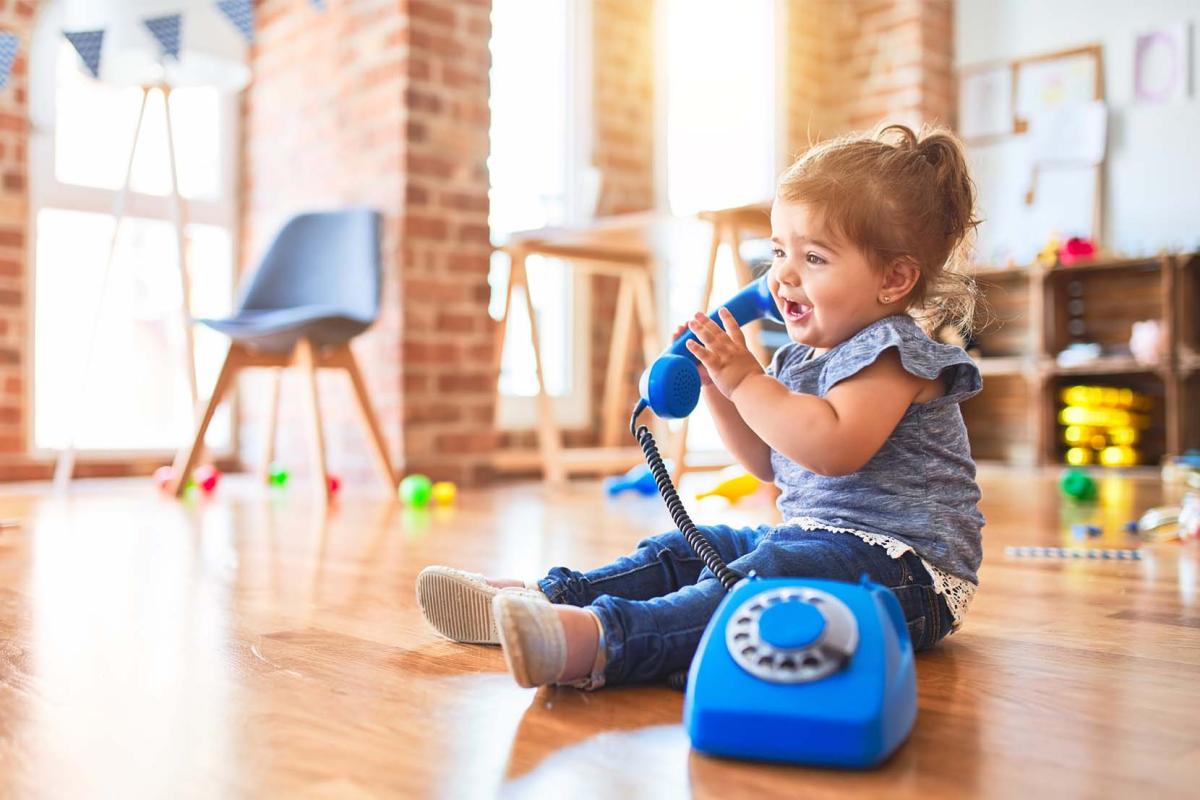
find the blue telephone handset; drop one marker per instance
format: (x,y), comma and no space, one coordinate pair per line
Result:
(789,669)
(671,385)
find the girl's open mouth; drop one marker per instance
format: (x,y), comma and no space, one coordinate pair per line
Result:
(795,312)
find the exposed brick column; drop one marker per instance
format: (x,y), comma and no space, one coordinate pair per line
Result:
(15,249)
(384,103)
(901,63)
(449,382)
(853,65)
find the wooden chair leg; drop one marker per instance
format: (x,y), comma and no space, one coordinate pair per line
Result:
(185,460)
(367,414)
(268,454)
(305,358)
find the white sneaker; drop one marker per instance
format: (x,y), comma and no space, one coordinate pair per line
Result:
(458,604)
(534,642)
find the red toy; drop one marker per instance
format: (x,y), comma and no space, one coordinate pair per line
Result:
(335,483)
(1076,250)
(207,477)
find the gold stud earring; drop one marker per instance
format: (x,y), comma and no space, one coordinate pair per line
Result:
(885,299)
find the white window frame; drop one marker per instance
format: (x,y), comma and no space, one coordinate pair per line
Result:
(573,409)
(46,191)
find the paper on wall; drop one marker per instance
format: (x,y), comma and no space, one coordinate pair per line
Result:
(1070,134)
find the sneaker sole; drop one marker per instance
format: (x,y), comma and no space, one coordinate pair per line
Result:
(458,608)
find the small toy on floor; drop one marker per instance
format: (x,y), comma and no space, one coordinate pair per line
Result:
(163,477)
(738,486)
(416,490)
(443,493)
(1073,552)
(207,477)
(639,479)
(1078,485)
(277,475)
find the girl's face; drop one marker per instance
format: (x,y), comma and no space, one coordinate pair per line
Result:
(825,288)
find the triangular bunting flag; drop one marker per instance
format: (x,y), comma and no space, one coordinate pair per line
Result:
(241,14)
(9,42)
(88,44)
(319,5)
(166,31)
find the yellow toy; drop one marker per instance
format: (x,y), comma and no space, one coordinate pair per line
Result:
(1102,424)
(443,493)
(734,488)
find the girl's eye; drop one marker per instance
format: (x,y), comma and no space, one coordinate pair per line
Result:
(813,258)
(777,252)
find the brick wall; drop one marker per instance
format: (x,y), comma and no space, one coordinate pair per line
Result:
(15,17)
(384,103)
(852,65)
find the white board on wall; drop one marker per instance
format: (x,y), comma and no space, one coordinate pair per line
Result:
(1012,230)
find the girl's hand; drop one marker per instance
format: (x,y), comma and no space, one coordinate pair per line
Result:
(704,379)
(723,352)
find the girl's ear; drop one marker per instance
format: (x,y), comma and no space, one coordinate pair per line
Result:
(899,278)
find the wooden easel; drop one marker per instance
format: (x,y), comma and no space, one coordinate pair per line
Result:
(65,465)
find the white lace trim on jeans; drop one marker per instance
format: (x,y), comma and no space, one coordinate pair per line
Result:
(957,592)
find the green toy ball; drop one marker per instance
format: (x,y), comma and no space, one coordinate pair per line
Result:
(416,490)
(1078,485)
(277,475)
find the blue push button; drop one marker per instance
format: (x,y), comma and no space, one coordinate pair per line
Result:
(791,624)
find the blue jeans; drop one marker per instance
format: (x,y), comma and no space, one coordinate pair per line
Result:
(655,603)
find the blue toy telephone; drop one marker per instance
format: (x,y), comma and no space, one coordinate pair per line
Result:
(800,670)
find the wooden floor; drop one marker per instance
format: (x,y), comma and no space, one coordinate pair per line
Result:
(250,646)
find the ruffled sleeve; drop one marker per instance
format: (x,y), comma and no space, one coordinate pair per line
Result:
(919,355)
(788,353)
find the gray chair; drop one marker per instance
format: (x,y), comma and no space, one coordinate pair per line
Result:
(317,287)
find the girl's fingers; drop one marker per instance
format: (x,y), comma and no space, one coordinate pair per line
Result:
(731,327)
(698,350)
(704,328)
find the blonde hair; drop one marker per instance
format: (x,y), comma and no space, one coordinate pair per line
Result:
(895,195)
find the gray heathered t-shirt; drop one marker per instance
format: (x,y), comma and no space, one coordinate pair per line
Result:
(920,487)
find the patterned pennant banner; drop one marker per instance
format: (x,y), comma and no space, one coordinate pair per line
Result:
(9,43)
(88,44)
(241,14)
(166,31)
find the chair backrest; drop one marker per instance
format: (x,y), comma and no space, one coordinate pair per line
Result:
(327,258)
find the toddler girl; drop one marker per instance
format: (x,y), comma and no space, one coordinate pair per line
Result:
(856,421)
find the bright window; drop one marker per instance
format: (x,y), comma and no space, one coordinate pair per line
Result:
(538,166)
(720,115)
(137,392)
(721,102)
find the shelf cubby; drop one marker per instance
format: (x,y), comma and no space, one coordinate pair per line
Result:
(1030,314)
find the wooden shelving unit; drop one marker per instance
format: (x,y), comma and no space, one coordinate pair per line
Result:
(1032,313)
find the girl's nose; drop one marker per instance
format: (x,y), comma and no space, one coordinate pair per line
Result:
(786,276)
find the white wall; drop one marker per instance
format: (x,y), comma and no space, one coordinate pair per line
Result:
(1152,178)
